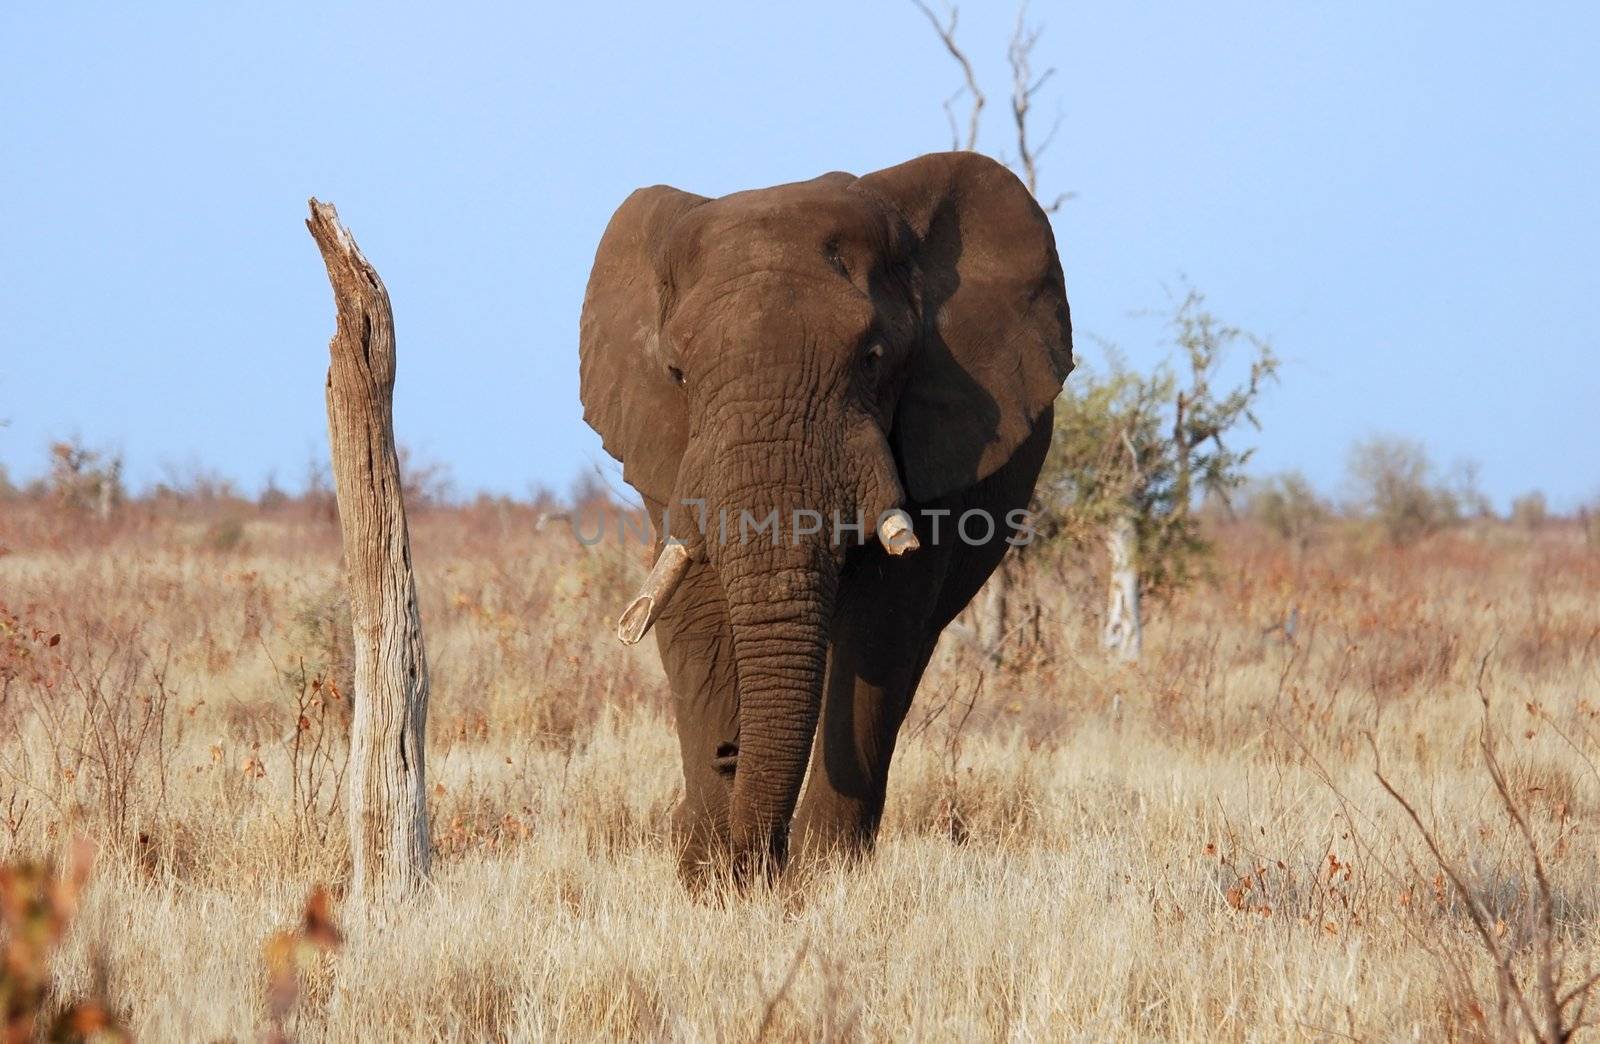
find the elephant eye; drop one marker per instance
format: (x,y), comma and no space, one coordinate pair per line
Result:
(830,250)
(872,359)
(676,375)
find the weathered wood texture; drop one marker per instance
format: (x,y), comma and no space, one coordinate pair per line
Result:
(388,809)
(1124,631)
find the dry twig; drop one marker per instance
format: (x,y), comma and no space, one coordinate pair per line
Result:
(1548,1008)
(947,34)
(1023,87)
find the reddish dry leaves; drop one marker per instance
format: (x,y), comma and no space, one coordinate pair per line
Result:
(291,953)
(37,905)
(27,654)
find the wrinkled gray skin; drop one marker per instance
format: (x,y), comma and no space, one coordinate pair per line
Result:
(840,345)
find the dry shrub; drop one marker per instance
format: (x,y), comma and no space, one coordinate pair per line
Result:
(319,754)
(1543,982)
(321,639)
(991,801)
(87,720)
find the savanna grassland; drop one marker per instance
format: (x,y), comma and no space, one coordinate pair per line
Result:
(1194,848)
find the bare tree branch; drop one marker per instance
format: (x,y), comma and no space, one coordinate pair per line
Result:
(1023,87)
(947,34)
(950,114)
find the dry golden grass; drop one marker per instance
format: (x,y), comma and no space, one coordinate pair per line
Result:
(1195,849)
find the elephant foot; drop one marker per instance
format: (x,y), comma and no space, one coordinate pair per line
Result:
(701,839)
(833,837)
(713,861)
(713,873)
(757,856)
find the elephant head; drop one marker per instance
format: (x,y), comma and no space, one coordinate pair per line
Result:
(845,346)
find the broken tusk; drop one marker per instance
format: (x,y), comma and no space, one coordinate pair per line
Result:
(895,533)
(664,578)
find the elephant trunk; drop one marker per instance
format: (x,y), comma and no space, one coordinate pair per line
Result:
(779,583)
(780,601)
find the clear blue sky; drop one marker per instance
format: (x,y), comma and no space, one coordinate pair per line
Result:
(1401,196)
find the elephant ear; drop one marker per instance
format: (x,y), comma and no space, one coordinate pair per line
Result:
(627,394)
(995,334)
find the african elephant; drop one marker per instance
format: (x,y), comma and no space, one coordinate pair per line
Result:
(885,347)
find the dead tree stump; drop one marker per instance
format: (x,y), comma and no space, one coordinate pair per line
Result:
(1124,631)
(388,809)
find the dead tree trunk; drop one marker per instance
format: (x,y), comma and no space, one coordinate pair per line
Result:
(388,810)
(991,617)
(1123,632)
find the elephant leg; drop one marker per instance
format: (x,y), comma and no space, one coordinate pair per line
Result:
(696,646)
(887,621)
(881,643)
